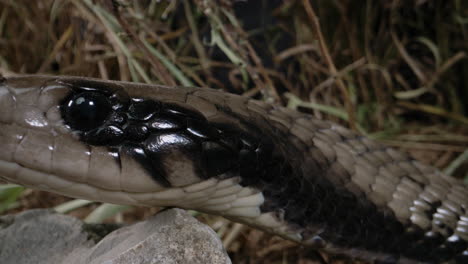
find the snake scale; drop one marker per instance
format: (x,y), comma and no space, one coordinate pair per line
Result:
(273,168)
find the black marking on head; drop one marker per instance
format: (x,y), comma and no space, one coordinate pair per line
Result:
(166,142)
(149,131)
(117,119)
(143,110)
(152,165)
(217,159)
(104,136)
(136,132)
(168,148)
(174,109)
(201,129)
(166,123)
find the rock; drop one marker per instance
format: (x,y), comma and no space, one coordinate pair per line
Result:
(41,236)
(171,236)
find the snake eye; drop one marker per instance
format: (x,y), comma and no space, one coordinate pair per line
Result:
(86,110)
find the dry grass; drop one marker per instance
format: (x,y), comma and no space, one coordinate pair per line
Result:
(394,70)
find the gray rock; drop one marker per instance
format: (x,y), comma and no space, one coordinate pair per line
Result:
(171,236)
(40,236)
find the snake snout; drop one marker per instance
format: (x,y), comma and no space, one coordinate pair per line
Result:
(27,131)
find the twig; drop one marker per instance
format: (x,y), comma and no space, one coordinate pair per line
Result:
(422,146)
(343,72)
(60,43)
(456,163)
(234,232)
(331,66)
(293,51)
(433,110)
(413,64)
(253,55)
(157,66)
(197,44)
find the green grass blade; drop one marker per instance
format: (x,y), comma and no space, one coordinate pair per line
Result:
(9,194)
(105,211)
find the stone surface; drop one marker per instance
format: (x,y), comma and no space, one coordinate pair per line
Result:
(171,236)
(41,236)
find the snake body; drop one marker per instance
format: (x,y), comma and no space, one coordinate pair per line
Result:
(282,171)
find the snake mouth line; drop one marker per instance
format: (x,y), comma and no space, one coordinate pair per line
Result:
(16,173)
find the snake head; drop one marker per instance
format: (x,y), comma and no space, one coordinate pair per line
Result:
(121,143)
(59,136)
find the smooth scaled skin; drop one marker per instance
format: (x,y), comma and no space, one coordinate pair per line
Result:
(285,172)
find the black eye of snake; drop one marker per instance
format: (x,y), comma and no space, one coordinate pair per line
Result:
(86,111)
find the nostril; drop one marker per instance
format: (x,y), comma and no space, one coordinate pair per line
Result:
(53,114)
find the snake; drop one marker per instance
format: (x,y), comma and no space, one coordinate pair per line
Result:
(273,168)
